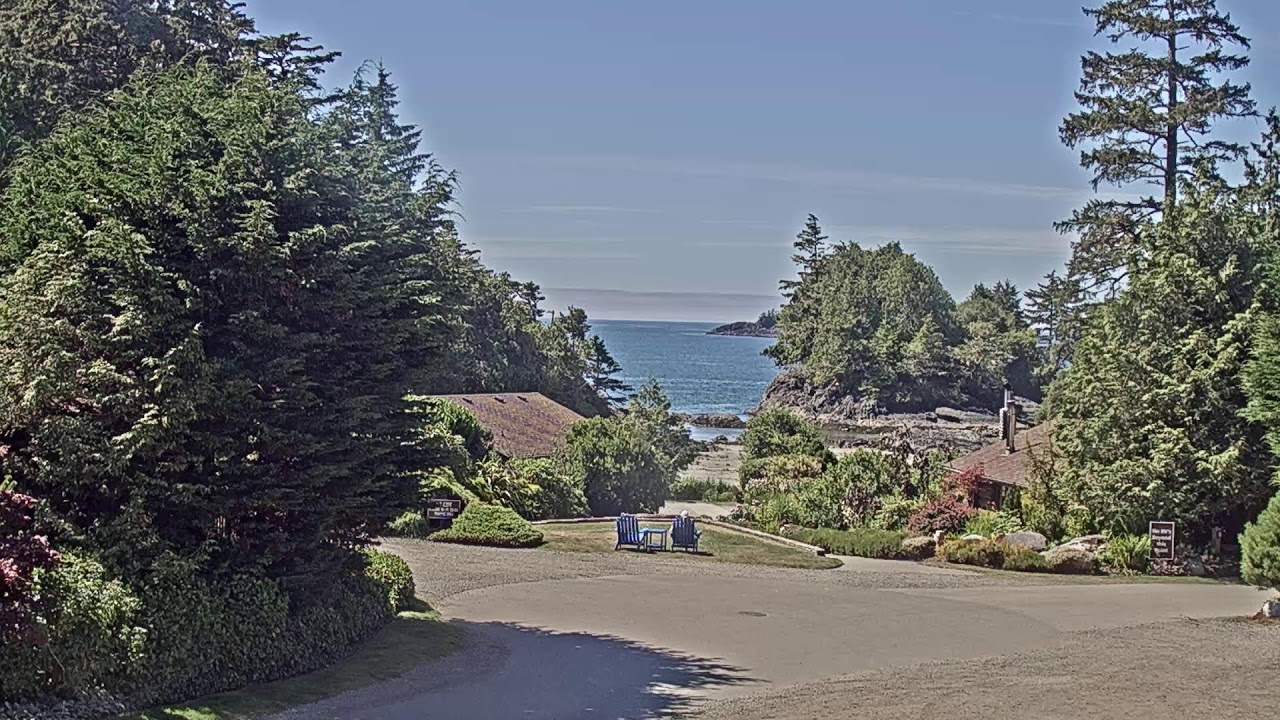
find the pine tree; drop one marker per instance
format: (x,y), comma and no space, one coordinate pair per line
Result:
(1147,116)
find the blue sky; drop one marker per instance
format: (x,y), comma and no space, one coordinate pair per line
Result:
(668,151)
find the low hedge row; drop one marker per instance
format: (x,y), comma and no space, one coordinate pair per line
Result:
(482,524)
(858,542)
(177,636)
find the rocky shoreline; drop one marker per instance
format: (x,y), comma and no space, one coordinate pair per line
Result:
(721,421)
(745,329)
(853,422)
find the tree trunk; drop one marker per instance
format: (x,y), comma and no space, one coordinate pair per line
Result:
(1171,129)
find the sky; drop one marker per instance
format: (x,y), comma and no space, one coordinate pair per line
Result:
(655,160)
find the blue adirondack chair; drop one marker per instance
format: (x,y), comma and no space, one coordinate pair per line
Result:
(684,534)
(629,532)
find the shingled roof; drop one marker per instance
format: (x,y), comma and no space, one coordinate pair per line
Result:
(1004,467)
(524,425)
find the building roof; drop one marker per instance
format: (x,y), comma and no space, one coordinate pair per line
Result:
(523,425)
(1004,467)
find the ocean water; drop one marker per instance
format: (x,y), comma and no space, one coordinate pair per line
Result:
(701,373)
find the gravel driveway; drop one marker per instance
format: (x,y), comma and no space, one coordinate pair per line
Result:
(562,635)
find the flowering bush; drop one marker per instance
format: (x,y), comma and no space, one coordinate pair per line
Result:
(21,555)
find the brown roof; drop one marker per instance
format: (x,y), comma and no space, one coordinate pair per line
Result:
(1001,466)
(524,425)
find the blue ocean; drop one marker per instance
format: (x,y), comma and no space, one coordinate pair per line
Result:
(701,373)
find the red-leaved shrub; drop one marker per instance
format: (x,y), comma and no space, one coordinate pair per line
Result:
(963,485)
(21,554)
(946,513)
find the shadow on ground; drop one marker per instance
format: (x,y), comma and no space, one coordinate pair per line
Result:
(518,671)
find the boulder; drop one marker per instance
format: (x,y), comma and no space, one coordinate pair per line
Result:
(918,548)
(1092,543)
(1071,559)
(1271,609)
(1194,566)
(1027,539)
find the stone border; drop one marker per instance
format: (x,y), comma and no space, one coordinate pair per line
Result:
(705,521)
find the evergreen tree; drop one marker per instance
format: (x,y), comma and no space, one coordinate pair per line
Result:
(1056,309)
(57,57)
(1148,417)
(810,247)
(187,335)
(1146,116)
(999,345)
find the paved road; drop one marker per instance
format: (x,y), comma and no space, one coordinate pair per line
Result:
(636,639)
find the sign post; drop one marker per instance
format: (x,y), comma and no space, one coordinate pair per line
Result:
(442,511)
(1162,535)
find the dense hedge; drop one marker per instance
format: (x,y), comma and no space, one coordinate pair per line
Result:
(409,525)
(176,636)
(691,489)
(481,524)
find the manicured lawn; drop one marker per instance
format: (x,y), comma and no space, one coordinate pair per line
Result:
(410,640)
(717,544)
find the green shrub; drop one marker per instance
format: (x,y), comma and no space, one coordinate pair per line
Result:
(1127,554)
(621,468)
(995,554)
(481,524)
(776,511)
(895,511)
(392,574)
(991,524)
(778,473)
(779,431)
(860,542)
(691,489)
(558,492)
(721,494)
(91,631)
(409,525)
(176,635)
(1023,559)
(1260,548)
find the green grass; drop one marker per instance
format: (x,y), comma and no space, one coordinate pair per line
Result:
(717,545)
(413,638)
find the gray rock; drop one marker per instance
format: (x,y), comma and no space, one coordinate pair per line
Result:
(1027,539)
(1194,566)
(918,548)
(1088,542)
(1071,559)
(1271,609)
(973,536)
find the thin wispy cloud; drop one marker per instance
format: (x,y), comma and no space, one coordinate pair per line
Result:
(848,180)
(975,241)
(585,210)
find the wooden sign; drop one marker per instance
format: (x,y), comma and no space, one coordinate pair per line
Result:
(1162,540)
(444,509)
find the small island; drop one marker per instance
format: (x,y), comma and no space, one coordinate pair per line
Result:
(765,326)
